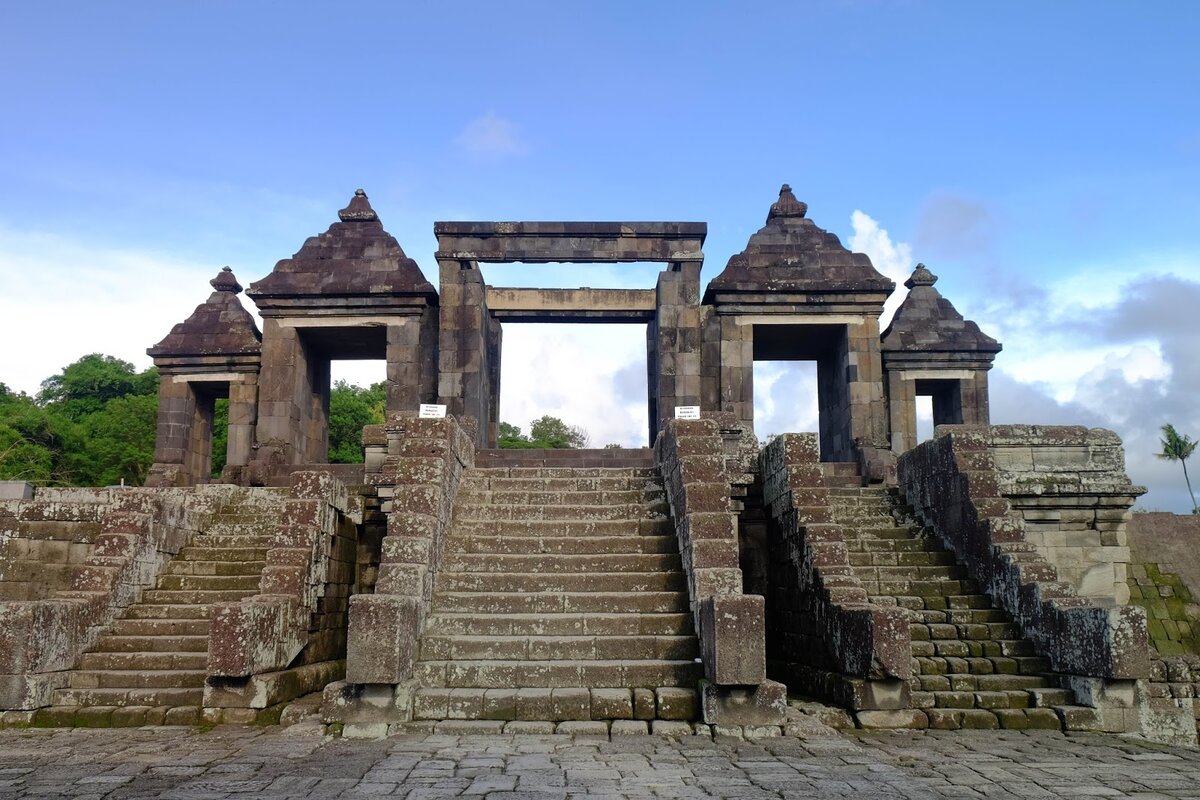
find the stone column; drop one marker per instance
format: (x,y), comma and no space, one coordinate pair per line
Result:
(974,399)
(198,458)
(243,418)
(677,338)
(737,368)
(464,381)
(404,359)
(176,412)
(902,412)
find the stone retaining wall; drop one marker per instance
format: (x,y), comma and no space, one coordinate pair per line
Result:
(134,533)
(696,470)
(417,479)
(826,639)
(955,486)
(289,638)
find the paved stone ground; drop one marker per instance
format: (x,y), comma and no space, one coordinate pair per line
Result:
(287,763)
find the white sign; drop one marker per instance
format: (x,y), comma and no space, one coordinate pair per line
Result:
(431,411)
(687,412)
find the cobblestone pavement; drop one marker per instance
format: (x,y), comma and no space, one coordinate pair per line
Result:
(273,763)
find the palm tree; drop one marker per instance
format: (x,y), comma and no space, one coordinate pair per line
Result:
(1179,447)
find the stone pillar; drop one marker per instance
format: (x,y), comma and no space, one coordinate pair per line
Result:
(736,368)
(464,374)
(198,459)
(652,414)
(404,364)
(902,411)
(974,399)
(677,339)
(293,398)
(176,413)
(243,419)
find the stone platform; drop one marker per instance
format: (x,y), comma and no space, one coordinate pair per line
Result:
(275,763)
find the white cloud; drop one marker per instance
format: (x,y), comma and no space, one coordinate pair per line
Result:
(893,259)
(65,299)
(580,374)
(491,135)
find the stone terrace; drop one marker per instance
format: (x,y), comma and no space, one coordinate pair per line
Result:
(292,762)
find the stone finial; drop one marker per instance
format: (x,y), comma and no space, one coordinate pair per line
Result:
(787,205)
(226,282)
(359,209)
(921,277)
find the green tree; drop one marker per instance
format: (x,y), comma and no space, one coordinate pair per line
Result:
(1179,447)
(83,387)
(545,433)
(34,441)
(118,442)
(350,409)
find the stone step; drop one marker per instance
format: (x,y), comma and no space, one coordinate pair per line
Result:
(543,528)
(577,513)
(877,530)
(188,565)
(648,473)
(561,497)
(194,596)
(920,558)
(137,679)
(557,705)
(911,572)
(501,674)
(557,648)
(209,583)
(239,531)
(958,672)
(144,660)
(154,628)
(990,631)
(122,697)
(896,547)
(167,642)
(240,543)
(594,624)
(635,602)
(494,546)
(961,616)
(974,648)
(961,591)
(491,582)
(472,481)
(559,564)
(147,610)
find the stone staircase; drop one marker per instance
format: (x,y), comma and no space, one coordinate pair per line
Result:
(561,598)
(150,666)
(971,666)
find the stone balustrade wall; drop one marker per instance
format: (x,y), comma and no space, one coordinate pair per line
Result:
(827,640)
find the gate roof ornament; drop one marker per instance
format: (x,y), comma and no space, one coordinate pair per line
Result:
(355,258)
(219,326)
(928,322)
(791,253)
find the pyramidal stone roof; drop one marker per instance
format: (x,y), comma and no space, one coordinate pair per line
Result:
(790,253)
(355,257)
(219,326)
(927,322)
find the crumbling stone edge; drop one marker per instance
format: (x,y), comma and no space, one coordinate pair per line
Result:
(140,531)
(731,626)
(254,642)
(845,650)
(417,466)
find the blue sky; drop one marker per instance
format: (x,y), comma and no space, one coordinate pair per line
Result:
(1043,159)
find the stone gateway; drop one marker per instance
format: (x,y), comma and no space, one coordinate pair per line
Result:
(849,576)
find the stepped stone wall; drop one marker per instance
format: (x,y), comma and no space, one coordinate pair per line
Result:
(289,638)
(417,479)
(133,533)
(825,637)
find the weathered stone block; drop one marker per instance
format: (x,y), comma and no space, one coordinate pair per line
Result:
(382,638)
(764,704)
(733,637)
